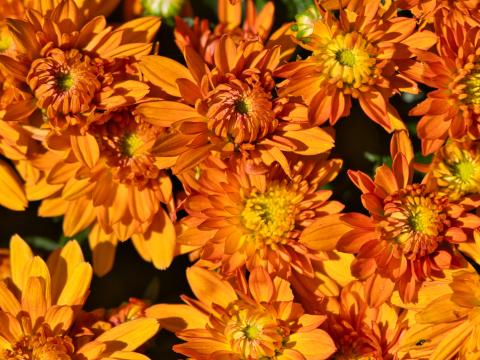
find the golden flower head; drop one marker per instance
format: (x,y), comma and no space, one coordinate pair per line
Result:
(67,78)
(412,231)
(455,169)
(259,220)
(40,302)
(355,55)
(232,109)
(451,109)
(257,321)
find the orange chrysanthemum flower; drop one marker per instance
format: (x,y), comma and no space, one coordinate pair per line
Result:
(452,110)
(258,321)
(71,70)
(448,327)
(269,220)
(365,54)
(460,11)
(455,170)
(412,230)
(256,26)
(40,302)
(111,181)
(364,332)
(90,325)
(232,109)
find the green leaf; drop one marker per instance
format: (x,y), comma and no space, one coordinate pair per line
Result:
(42,243)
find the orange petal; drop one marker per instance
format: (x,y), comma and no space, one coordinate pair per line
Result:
(13,194)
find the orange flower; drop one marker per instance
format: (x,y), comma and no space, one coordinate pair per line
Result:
(111,181)
(361,55)
(267,220)
(411,232)
(40,302)
(71,70)
(455,170)
(452,109)
(232,108)
(90,325)
(260,320)
(438,11)
(364,332)
(448,327)
(257,26)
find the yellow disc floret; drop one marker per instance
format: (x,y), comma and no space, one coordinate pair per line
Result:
(270,216)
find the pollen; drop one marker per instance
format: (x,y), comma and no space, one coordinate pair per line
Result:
(251,332)
(422,220)
(131,144)
(415,219)
(346,57)
(243,106)
(65,81)
(270,216)
(41,346)
(5,42)
(472,89)
(456,169)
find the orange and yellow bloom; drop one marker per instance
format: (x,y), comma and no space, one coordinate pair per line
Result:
(39,304)
(237,219)
(258,320)
(453,107)
(231,109)
(412,231)
(365,54)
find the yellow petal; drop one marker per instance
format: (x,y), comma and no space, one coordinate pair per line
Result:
(20,256)
(77,286)
(13,194)
(103,246)
(313,345)
(8,301)
(130,335)
(34,300)
(311,141)
(176,317)
(60,318)
(163,72)
(160,241)
(209,288)
(61,264)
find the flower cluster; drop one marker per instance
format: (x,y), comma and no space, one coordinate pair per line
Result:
(227,152)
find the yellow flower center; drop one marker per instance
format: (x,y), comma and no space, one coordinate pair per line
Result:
(348,59)
(422,220)
(41,346)
(253,333)
(243,106)
(65,81)
(464,170)
(472,89)
(270,216)
(414,219)
(130,144)
(456,169)
(5,42)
